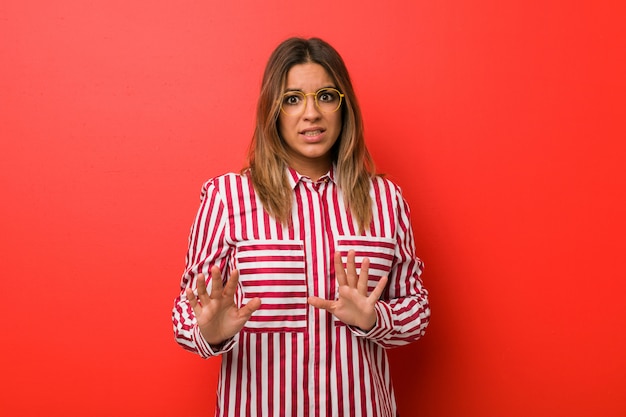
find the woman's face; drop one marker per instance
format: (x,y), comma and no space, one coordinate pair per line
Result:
(309,136)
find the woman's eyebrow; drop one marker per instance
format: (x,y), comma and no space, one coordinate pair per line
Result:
(302,91)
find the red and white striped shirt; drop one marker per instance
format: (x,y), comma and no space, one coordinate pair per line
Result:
(292,359)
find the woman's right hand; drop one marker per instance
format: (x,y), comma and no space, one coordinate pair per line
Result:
(217,315)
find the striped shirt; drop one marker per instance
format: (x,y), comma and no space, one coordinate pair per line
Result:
(291,359)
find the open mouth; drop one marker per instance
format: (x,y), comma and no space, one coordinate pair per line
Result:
(312,133)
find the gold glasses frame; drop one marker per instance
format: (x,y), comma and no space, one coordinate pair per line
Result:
(315,95)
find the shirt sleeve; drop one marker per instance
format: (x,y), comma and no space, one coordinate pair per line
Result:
(403,312)
(207,247)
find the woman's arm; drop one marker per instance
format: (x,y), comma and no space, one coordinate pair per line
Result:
(205,322)
(403,313)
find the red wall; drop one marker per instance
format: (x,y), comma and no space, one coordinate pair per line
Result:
(503,121)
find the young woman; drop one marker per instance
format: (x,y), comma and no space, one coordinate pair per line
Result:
(308,256)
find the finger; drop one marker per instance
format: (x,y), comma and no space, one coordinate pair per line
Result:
(351,270)
(252,306)
(321,303)
(231,284)
(193,301)
(340,273)
(201,289)
(378,290)
(363,277)
(216,282)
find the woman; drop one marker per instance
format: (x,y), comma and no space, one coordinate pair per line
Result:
(308,256)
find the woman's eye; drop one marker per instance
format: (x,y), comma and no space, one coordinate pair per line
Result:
(326,96)
(292,99)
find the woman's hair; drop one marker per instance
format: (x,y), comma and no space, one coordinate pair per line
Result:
(267,156)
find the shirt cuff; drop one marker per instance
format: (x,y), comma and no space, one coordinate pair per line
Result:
(383,325)
(207,350)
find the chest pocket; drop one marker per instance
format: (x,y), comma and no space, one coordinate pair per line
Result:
(274,271)
(379,250)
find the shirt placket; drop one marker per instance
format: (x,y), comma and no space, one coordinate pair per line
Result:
(320,325)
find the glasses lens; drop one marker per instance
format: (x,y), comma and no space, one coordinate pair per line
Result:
(293,102)
(328,100)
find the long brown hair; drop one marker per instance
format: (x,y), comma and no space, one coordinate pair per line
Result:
(267,157)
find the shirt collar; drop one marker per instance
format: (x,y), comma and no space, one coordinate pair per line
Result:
(295,177)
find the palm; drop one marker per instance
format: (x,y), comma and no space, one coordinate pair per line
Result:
(217,315)
(353,306)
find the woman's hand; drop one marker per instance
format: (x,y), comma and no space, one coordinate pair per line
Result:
(353,306)
(217,315)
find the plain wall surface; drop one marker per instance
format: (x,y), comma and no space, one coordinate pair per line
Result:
(504,122)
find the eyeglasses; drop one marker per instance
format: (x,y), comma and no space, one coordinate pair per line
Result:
(327,100)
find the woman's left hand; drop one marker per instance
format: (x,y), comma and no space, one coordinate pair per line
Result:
(354,306)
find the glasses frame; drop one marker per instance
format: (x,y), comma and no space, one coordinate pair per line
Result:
(282,99)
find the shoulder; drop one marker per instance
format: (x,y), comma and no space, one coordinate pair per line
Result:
(383,185)
(225,183)
(385,192)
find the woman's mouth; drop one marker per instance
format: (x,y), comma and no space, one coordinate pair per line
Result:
(312,133)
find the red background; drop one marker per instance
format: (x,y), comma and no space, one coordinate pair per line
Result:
(503,121)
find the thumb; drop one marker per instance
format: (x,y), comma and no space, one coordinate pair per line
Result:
(319,303)
(378,290)
(252,306)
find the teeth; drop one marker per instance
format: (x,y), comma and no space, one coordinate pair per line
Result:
(312,133)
